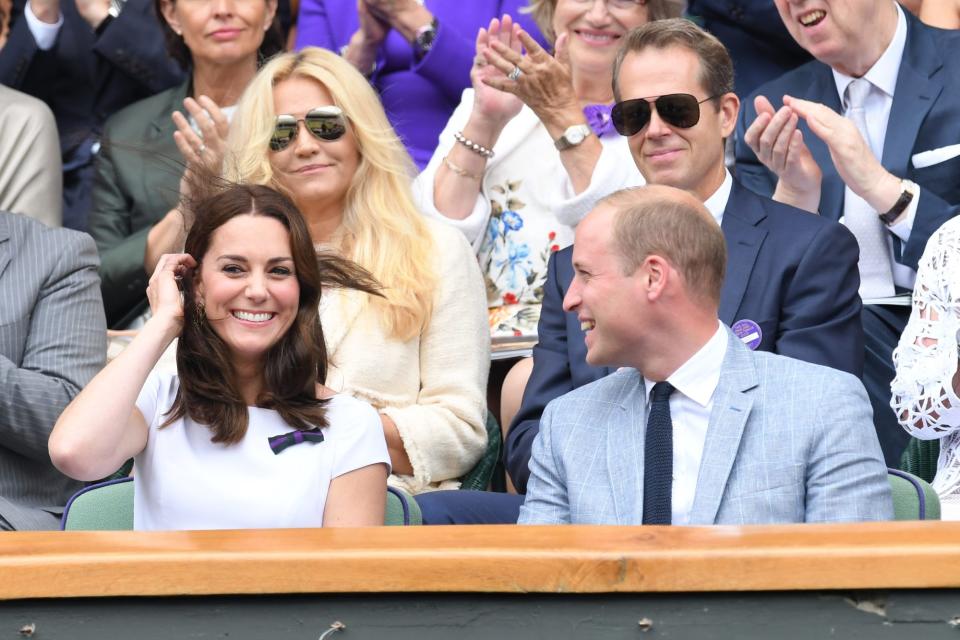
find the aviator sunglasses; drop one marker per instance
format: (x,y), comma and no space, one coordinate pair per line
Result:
(677,109)
(325,123)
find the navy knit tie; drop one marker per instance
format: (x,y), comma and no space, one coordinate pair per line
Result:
(658,458)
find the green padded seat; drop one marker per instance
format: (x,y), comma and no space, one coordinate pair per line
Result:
(913,498)
(108,506)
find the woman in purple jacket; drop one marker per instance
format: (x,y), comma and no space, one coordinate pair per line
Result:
(417,54)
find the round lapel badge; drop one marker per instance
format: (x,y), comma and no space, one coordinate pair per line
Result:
(749,333)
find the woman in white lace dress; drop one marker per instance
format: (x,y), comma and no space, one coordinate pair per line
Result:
(926,390)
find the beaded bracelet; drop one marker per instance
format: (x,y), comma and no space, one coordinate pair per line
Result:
(473,146)
(460,171)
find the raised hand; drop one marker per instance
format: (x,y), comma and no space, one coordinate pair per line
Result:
(163,292)
(93,11)
(491,104)
(858,167)
(543,83)
(778,144)
(207,148)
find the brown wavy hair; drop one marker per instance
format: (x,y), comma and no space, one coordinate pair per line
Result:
(209,392)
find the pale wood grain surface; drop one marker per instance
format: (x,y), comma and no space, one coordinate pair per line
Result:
(573,559)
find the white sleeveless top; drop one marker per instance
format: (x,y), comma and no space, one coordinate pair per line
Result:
(182,480)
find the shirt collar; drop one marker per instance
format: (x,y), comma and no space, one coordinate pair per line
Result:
(716,203)
(698,377)
(883,74)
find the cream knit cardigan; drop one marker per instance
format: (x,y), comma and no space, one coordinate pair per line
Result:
(432,386)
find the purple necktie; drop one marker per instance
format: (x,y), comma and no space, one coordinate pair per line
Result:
(284,440)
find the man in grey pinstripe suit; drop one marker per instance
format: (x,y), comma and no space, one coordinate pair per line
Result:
(52,342)
(739,436)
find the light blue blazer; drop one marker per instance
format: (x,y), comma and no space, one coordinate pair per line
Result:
(788,441)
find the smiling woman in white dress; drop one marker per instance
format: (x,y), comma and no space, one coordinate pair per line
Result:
(242,434)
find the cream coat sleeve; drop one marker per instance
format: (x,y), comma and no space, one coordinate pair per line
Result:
(444,431)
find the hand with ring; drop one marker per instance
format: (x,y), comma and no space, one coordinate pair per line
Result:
(207,147)
(541,80)
(490,104)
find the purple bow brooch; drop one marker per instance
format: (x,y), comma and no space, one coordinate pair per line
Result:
(284,440)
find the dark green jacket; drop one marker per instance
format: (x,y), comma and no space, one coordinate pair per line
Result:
(137,183)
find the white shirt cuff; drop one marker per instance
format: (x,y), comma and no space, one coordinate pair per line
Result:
(45,34)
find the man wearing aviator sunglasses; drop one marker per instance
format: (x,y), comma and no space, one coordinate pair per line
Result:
(791,283)
(325,123)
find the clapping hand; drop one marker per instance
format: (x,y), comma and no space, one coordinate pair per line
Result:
(858,167)
(778,144)
(207,148)
(492,104)
(93,11)
(543,82)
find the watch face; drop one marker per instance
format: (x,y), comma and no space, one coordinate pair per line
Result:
(575,137)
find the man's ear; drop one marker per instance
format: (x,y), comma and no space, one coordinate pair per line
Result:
(729,108)
(655,273)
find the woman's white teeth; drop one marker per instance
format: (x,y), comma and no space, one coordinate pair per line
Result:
(596,37)
(587,325)
(812,18)
(252,317)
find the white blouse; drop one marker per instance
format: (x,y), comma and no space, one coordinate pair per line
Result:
(182,480)
(926,361)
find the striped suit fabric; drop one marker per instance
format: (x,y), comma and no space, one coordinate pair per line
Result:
(52,342)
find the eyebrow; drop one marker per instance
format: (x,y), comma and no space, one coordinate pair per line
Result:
(244,259)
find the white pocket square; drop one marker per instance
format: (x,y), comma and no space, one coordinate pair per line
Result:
(935,156)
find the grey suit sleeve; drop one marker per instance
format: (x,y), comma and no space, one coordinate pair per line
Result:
(846,475)
(547,501)
(65,347)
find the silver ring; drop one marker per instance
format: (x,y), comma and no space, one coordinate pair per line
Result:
(201,149)
(515,74)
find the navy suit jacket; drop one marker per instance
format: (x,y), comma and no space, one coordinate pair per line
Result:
(925,116)
(84,78)
(792,272)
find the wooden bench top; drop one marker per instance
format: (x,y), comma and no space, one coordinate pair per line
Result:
(571,559)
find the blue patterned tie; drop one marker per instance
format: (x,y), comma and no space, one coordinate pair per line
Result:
(658,458)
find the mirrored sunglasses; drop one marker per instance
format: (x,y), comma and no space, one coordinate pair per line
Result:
(676,109)
(325,123)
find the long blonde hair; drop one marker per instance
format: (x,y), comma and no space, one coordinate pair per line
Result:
(384,232)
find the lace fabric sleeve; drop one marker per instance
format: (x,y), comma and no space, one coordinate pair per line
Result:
(924,397)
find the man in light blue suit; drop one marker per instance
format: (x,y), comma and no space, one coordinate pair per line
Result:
(732,436)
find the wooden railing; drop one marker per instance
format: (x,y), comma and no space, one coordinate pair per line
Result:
(572,559)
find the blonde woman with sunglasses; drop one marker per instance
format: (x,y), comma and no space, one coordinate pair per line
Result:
(311,126)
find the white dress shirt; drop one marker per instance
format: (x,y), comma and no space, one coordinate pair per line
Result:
(883,76)
(44,33)
(690,405)
(717,202)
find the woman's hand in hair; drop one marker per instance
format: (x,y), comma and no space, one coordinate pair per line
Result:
(163,290)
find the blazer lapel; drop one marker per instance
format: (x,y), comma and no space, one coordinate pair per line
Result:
(731,409)
(824,91)
(744,238)
(6,246)
(625,441)
(916,92)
